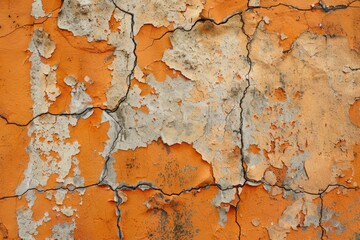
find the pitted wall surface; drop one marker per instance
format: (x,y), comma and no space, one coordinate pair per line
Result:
(180,119)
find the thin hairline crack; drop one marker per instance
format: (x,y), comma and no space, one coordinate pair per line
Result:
(123,99)
(320,6)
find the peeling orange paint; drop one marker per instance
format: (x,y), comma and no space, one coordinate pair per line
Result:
(91,135)
(220,9)
(87,62)
(254,149)
(13,157)
(182,119)
(354,113)
(145,88)
(15,102)
(170,168)
(341,208)
(8,209)
(151,215)
(280,94)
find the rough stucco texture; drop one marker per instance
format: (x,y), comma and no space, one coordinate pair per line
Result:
(180,119)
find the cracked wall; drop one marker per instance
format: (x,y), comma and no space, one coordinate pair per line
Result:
(187,119)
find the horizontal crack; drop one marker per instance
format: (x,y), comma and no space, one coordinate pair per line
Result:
(200,20)
(143,186)
(31,24)
(248,181)
(320,6)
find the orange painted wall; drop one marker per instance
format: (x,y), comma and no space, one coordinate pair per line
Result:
(190,119)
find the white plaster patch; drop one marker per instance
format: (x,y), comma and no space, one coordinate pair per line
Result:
(42,76)
(37,10)
(182,13)
(86,18)
(303,128)
(63,231)
(27,226)
(205,112)
(124,61)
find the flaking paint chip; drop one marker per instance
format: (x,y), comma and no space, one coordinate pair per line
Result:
(179,119)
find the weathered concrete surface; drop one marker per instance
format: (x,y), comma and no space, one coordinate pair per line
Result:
(180,119)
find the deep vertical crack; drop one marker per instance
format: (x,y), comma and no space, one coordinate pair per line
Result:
(241,129)
(320,5)
(241,103)
(247,79)
(108,156)
(323,230)
(129,78)
(237,213)
(118,212)
(131,75)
